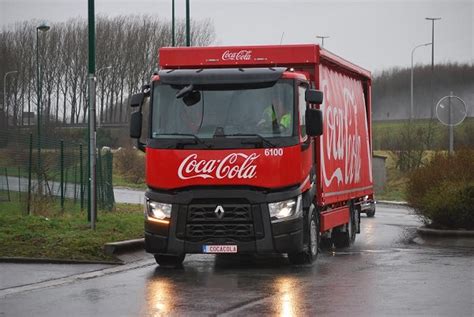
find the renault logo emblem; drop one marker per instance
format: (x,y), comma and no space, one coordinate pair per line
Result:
(219,211)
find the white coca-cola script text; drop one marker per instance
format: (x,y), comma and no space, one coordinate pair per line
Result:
(242,55)
(234,165)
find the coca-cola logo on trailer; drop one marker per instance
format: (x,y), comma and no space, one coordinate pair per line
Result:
(242,55)
(345,142)
(234,165)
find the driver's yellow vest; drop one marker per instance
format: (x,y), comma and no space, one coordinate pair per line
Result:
(270,114)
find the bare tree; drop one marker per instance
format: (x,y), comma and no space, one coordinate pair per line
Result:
(129,44)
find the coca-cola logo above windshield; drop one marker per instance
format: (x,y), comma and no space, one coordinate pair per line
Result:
(242,55)
(234,165)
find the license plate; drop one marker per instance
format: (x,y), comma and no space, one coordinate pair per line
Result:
(219,249)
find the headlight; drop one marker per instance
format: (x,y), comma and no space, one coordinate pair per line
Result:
(158,210)
(285,209)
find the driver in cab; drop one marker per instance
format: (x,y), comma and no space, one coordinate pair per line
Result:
(276,115)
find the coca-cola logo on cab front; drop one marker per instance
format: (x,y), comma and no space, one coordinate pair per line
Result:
(234,165)
(242,55)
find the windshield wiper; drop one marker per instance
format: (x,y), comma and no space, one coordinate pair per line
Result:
(262,139)
(197,140)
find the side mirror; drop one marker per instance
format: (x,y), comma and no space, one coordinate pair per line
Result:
(314,96)
(136,125)
(314,122)
(136,100)
(146,90)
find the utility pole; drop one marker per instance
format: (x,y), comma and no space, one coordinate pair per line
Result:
(188,26)
(92,202)
(173,39)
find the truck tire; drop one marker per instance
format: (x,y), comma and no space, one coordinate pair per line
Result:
(311,228)
(344,239)
(371,213)
(169,261)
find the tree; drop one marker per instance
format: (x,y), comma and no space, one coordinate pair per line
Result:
(129,44)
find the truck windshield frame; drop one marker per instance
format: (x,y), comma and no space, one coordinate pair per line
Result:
(224,117)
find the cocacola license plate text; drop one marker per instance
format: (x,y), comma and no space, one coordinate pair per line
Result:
(219,249)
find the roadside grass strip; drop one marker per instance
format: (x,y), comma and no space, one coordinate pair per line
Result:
(56,234)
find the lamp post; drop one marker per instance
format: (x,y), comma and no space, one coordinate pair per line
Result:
(92,188)
(322,37)
(432,60)
(43,28)
(411,78)
(5,108)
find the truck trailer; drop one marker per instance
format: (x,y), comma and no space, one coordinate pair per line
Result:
(254,149)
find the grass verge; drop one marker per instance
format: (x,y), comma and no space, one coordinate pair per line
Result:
(120,181)
(65,235)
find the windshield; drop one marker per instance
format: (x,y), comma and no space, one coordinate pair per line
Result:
(261,112)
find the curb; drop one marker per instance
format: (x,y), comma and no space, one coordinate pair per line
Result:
(54,261)
(123,246)
(392,202)
(445,233)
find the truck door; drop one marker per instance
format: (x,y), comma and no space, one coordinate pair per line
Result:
(306,142)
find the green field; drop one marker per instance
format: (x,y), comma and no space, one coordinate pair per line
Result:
(52,233)
(386,133)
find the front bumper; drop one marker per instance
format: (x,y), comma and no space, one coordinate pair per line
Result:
(263,236)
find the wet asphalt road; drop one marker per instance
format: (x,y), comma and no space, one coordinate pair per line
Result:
(383,274)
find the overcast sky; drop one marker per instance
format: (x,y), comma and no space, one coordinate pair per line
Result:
(375,34)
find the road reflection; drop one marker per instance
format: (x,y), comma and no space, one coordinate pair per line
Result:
(287,299)
(160,297)
(368,231)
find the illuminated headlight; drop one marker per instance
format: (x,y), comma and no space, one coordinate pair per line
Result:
(285,209)
(158,210)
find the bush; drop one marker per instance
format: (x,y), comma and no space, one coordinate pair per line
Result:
(442,192)
(130,164)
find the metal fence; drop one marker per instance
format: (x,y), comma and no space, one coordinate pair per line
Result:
(51,170)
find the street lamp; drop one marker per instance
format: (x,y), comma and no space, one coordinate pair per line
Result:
(432,60)
(411,90)
(43,28)
(5,108)
(322,37)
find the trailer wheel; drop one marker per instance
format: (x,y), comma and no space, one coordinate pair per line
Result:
(169,261)
(312,236)
(344,239)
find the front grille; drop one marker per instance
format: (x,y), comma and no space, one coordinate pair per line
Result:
(228,232)
(203,225)
(205,213)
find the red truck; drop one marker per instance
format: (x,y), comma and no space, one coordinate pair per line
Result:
(254,149)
